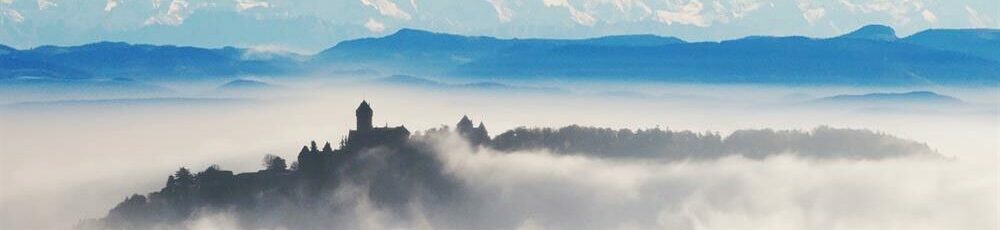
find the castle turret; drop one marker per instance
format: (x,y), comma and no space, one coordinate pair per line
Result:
(475,135)
(364,115)
(367,136)
(464,125)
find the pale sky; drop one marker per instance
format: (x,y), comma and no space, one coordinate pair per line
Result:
(311,25)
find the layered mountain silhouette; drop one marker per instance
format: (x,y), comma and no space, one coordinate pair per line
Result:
(423,52)
(867,57)
(891,98)
(6,49)
(244,85)
(416,82)
(984,43)
(872,55)
(117,59)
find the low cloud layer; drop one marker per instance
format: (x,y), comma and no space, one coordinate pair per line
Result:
(527,190)
(537,189)
(524,188)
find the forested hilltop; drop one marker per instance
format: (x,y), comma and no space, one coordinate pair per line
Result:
(388,169)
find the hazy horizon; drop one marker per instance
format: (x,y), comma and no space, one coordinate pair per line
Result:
(148,140)
(500,114)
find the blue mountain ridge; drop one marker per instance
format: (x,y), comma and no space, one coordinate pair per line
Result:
(891,98)
(872,55)
(410,51)
(118,59)
(771,60)
(983,43)
(873,32)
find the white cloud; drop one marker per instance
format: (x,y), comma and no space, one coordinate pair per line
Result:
(242,5)
(977,19)
(174,15)
(503,12)
(813,14)
(413,3)
(810,12)
(374,26)
(781,192)
(626,5)
(387,8)
(900,10)
(687,14)
(45,4)
(694,12)
(929,16)
(110,5)
(13,15)
(578,16)
(583,18)
(740,8)
(7,14)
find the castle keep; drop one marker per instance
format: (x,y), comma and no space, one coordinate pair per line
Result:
(365,135)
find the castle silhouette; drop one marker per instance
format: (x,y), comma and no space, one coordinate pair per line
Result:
(365,135)
(313,160)
(391,168)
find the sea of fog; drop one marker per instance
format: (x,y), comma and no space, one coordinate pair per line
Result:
(65,161)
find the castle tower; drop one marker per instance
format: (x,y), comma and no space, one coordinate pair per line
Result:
(465,124)
(364,115)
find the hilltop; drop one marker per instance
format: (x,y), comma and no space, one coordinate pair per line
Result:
(391,169)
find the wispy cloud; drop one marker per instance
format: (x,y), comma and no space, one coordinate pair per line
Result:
(45,4)
(901,11)
(110,5)
(12,15)
(740,8)
(696,13)
(7,14)
(387,8)
(625,6)
(242,5)
(810,11)
(977,19)
(929,16)
(578,16)
(686,14)
(374,26)
(503,11)
(174,15)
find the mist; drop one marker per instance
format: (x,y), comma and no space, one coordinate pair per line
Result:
(69,161)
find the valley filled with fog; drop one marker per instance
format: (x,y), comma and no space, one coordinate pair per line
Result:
(70,156)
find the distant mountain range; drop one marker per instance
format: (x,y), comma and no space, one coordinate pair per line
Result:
(422,52)
(890,98)
(422,83)
(872,55)
(244,84)
(117,59)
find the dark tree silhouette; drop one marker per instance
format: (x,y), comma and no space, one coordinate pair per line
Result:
(274,163)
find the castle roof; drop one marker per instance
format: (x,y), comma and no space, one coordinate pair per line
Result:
(364,107)
(465,122)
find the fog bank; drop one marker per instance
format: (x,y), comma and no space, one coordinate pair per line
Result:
(64,163)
